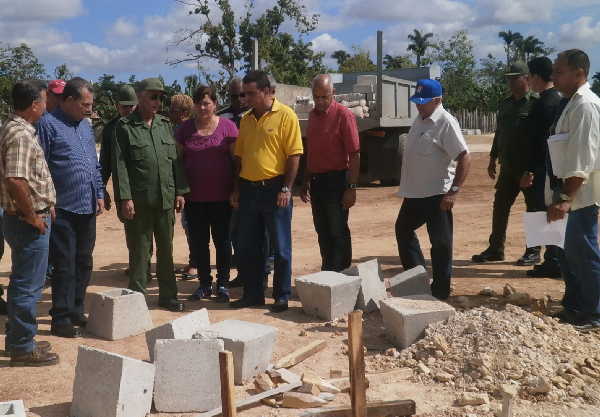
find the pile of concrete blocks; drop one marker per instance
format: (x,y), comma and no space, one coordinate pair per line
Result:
(118,313)
(181,328)
(327,294)
(372,287)
(12,409)
(251,345)
(111,385)
(406,318)
(415,281)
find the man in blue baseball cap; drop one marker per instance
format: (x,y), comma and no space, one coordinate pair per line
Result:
(435,164)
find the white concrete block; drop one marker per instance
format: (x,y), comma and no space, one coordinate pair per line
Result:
(187,375)
(406,318)
(181,328)
(415,281)
(328,295)
(251,345)
(118,313)
(14,408)
(372,287)
(111,385)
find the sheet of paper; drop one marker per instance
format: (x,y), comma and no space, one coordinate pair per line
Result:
(538,232)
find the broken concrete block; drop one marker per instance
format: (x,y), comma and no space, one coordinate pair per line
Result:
(328,295)
(181,328)
(372,287)
(111,385)
(405,318)
(415,281)
(118,313)
(187,375)
(14,408)
(251,345)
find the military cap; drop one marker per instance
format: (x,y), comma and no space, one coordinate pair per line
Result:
(126,96)
(516,69)
(151,84)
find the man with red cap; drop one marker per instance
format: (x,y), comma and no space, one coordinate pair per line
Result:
(55,90)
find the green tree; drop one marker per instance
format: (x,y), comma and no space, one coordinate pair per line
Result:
(340,56)
(397,62)
(510,39)
(596,83)
(229,42)
(530,47)
(105,98)
(191,84)
(419,44)
(62,72)
(492,83)
(359,62)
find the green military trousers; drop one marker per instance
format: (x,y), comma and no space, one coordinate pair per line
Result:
(149,223)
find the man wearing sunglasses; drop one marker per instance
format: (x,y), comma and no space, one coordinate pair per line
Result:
(149,186)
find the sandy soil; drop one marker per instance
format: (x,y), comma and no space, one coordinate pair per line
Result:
(47,391)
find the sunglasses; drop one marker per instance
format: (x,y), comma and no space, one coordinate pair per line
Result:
(242,95)
(155,97)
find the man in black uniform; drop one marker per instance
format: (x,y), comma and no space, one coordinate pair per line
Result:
(509,140)
(541,117)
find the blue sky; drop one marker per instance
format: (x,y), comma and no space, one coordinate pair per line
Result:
(124,37)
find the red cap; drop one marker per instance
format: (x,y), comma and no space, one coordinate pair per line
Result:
(57,86)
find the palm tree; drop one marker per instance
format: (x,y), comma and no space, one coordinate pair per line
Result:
(191,83)
(532,47)
(419,44)
(510,38)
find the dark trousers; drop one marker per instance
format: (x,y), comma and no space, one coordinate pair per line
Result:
(258,210)
(580,264)
(71,245)
(206,219)
(507,190)
(234,234)
(413,214)
(29,252)
(331,220)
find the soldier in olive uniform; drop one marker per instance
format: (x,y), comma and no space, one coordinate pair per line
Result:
(149,184)
(510,143)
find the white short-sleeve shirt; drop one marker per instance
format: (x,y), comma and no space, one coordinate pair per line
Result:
(428,161)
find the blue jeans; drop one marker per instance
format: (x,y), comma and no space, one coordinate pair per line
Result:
(71,245)
(29,252)
(258,210)
(234,232)
(580,264)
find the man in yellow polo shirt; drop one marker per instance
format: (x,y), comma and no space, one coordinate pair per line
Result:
(267,155)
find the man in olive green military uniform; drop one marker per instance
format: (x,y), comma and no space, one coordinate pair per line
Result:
(510,143)
(149,185)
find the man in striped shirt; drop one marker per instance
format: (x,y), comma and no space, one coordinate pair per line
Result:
(27,195)
(69,144)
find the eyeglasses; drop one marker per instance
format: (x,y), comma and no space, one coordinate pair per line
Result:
(242,95)
(155,97)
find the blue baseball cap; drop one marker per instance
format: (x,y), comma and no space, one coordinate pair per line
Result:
(426,91)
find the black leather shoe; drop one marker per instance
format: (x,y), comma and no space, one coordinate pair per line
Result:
(244,303)
(544,271)
(65,330)
(488,256)
(79,320)
(568,316)
(279,306)
(37,357)
(172,305)
(530,257)
(235,283)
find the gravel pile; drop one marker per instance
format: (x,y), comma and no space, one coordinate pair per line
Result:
(482,351)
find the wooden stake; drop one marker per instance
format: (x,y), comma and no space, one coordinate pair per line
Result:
(299,355)
(358,391)
(227,387)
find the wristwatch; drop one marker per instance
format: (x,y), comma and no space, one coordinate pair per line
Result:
(455,188)
(352,186)
(285,189)
(564,197)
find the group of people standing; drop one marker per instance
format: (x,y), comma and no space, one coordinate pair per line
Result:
(231,174)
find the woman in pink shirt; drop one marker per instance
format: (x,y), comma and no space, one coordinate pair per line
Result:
(207,144)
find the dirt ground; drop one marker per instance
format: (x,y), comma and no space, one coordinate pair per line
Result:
(47,391)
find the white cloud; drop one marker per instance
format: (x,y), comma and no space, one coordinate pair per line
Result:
(39,10)
(328,44)
(583,32)
(408,11)
(493,12)
(122,28)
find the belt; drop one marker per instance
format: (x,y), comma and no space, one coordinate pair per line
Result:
(263,183)
(18,213)
(329,174)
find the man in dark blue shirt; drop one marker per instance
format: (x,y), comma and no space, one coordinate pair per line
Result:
(68,141)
